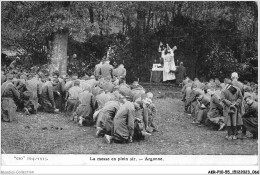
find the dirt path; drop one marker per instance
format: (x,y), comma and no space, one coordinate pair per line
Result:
(47,133)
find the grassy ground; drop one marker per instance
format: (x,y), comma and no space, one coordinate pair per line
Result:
(50,134)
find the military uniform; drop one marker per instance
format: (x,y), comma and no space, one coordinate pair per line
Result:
(34,87)
(97,71)
(106,117)
(9,95)
(232,97)
(203,108)
(181,74)
(47,98)
(106,71)
(59,93)
(86,108)
(124,122)
(124,89)
(136,92)
(120,72)
(102,99)
(215,113)
(107,86)
(250,119)
(73,100)
(3,78)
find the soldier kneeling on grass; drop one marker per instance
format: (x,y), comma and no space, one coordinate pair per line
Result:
(106,116)
(250,118)
(126,125)
(47,99)
(85,110)
(72,99)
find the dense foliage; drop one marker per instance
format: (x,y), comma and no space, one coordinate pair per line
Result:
(213,38)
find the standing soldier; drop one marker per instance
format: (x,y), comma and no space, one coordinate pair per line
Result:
(106,70)
(235,82)
(180,74)
(97,70)
(232,99)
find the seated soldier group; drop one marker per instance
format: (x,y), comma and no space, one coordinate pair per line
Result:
(122,113)
(232,105)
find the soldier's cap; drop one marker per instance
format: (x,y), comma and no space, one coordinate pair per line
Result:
(194,85)
(149,95)
(135,83)
(76,82)
(234,75)
(147,101)
(74,77)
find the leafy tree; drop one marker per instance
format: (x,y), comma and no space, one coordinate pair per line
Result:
(45,26)
(204,32)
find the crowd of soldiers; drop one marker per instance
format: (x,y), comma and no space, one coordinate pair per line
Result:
(231,105)
(121,112)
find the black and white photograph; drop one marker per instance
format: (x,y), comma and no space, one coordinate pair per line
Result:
(130,83)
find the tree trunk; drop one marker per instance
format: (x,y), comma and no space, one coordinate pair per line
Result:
(156,21)
(166,18)
(59,53)
(141,14)
(91,14)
